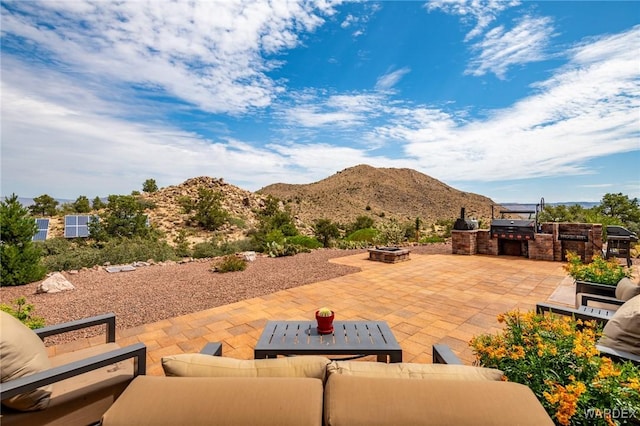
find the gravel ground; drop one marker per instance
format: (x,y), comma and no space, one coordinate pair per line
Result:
(156,292)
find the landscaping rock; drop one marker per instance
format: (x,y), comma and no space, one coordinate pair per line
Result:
(54,284)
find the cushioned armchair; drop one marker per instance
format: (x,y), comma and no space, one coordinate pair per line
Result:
(74,388)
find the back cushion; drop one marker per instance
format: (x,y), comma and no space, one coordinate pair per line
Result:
(626,289)
(413,371)
(22,353)
(201,365)
(622,332)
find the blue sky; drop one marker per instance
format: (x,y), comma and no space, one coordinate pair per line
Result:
(512,100)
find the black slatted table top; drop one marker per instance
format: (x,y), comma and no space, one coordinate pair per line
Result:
(348,338)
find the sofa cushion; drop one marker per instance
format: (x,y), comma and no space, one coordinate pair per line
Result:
(353,400)
(622,331)
(413,371)
(81,399)
(626,289)
(152,400)
(22,353)
(201,365)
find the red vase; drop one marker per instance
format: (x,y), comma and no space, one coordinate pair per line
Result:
(325,324)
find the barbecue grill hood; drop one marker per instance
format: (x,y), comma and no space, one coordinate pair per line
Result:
(520,223)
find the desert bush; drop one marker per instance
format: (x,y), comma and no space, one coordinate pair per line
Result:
(278,250)
(390,232)
(350,245)
(23,311)
(127,250)
(230,263)
(74,257)
(361,222)
(446,226)
(368,235)
(205,249)
(304,241)
(182,247)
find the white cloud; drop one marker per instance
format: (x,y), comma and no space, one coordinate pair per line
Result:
(480,12)
(500,49)
(209,54)
(316,109)
(588,109)
(387,81)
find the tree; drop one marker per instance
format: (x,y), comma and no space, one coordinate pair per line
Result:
(98,204)
(273,222)
(620,207)
(209,212)
(149,185)
(81,205)
(44,205)
(325,230)
(123,217)
(19,256)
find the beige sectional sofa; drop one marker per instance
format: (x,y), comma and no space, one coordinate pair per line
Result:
(200,389)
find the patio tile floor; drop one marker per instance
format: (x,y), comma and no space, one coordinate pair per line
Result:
(427,300)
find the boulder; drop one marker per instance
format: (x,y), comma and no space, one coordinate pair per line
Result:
(249,256)
(54,284)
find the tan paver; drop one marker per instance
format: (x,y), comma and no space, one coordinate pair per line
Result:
(430,299)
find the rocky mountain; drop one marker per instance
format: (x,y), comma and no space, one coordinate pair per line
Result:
(402,194)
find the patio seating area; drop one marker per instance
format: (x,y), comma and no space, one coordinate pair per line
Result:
(432,299)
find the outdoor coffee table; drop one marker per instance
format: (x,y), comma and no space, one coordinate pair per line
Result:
(356,338)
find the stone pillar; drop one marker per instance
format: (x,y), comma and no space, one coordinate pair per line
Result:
(464,242)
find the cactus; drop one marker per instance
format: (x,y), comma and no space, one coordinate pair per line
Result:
(325,312)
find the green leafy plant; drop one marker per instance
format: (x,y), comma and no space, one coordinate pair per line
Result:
(598,271)
(230,263)
(304,242)
(23,311)
(368,235)
(556,356)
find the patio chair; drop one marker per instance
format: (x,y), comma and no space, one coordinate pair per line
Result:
(624,290)
(70,388)
(621,333)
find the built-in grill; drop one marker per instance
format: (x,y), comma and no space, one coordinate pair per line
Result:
(619,241)
(513,229)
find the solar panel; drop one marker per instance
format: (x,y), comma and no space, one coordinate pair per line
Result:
(43,230)
(77,226)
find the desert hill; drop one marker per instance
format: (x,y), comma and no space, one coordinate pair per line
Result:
(169,216)
(402,194)
(380,193)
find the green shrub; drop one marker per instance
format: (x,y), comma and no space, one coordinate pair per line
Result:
(126,250)
(304,241)
(182,247)
(65,256)
(24,312)
(20,258)
(205,249)
(368,235)
(230,263)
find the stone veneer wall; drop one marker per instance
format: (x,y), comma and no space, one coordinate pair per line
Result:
(546,245)
(486,245)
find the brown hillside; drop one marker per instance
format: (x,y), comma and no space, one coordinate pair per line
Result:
(403,194)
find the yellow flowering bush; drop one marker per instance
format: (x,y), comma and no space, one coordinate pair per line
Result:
(598,271)
(556,356)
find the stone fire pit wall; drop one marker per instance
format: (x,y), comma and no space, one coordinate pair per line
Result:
(547,244)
